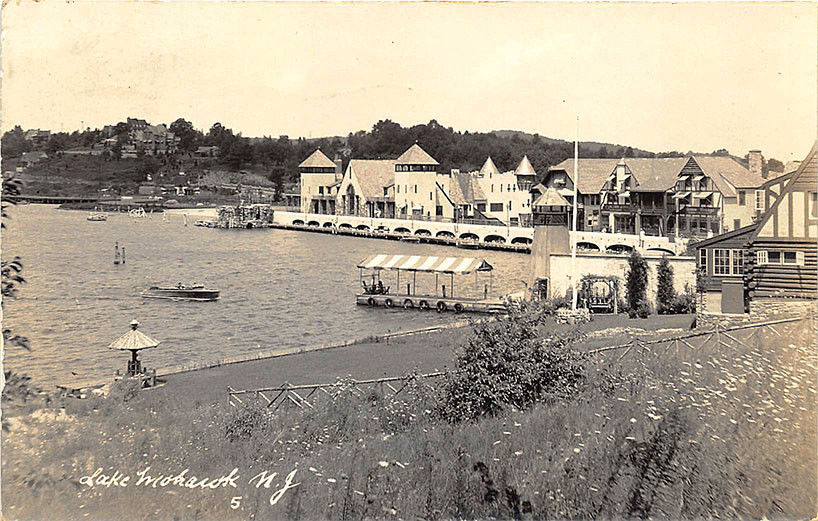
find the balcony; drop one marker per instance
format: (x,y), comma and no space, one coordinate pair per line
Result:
(698,210)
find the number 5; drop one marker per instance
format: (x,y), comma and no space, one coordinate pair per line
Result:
(235,502)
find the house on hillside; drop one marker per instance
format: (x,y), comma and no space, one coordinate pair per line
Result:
(37,136)
(31,158)
(769,267)
(694,196)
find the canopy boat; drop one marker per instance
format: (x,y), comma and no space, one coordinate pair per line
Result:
(97,216)
(182,292)
(376,294)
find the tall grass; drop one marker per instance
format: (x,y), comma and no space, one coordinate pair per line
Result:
(723,430)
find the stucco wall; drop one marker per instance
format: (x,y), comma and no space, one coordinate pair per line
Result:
(684,271)
(416,199)
(309,187)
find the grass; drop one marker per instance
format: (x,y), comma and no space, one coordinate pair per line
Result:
(712,431)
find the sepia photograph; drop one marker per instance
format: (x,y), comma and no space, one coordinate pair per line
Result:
(408,260)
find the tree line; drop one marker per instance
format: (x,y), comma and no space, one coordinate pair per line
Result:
(387,139)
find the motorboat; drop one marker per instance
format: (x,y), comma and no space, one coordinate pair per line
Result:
(182,292)
(97,216)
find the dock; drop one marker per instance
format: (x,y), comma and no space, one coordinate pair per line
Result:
(432,303)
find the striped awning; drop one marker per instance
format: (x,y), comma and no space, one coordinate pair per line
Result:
(383,261)
(679,195)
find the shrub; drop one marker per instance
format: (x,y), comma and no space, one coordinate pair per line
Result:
(643,309)
(636,282)
(665,294)
(683,303)
(506,363)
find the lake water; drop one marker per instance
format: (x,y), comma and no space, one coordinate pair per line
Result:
(279,289)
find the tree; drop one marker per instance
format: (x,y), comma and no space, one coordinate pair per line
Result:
(14,143)
(774,165)
(665,293)
(11,270)
(188,136)
(636,283)
(506,363)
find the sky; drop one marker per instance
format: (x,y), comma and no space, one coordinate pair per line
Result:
(655,76)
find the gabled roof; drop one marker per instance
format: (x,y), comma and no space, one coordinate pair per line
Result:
(373,175)
(808,166)
(724,236)
(592,173)
(729,169)
(464,189)
(416,156)
(525,168)
(655,174)
(489,168)
(551,198)
(317,160)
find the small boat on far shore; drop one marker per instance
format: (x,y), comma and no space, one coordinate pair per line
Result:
(97,216)
(182,292)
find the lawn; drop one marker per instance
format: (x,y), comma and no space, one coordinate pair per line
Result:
(721,428)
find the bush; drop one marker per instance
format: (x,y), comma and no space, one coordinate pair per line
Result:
(665,294)
(636,282)
(683,303)
(643,310)
(507,364)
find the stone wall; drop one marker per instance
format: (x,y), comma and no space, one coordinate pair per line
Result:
(761,310)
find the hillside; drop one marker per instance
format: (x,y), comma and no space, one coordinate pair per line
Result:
(592,146)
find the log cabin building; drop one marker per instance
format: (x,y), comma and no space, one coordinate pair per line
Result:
(771,266)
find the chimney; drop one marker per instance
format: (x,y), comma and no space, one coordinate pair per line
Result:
(339,163)
(756,161)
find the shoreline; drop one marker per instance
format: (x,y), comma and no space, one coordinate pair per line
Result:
(426,349)
(82,386)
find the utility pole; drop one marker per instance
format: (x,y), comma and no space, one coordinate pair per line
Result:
(574,225)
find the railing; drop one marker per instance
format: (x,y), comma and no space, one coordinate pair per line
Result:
(307,396)
(747,337)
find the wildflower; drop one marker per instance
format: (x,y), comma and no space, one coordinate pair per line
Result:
(518,453)
(576,450)
(633,420)
(383,464)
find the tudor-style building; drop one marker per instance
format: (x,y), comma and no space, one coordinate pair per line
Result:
(770,266)
(694,196)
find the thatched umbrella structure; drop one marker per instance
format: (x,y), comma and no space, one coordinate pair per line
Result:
(133,341)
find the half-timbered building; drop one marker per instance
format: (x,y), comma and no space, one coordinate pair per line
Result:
(771,266)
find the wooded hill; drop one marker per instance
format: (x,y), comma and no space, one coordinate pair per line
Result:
(277,158)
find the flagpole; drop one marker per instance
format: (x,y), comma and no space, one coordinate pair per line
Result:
(574,226)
